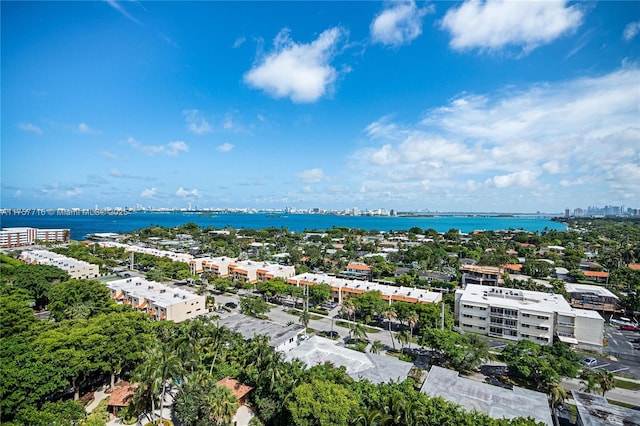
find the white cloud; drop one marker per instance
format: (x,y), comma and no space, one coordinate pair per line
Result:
(494,24)
(84,128)
(534,139)
(18,193)
(115,173)
(398,24)
(171,149)
(196,123)
(181,192)
(148,193)
(631,30)
(109,155)
(299,71)
(524,178)
(32,128)
(117,6)
(311,175)
(239,42)
(73,192)
(225,147)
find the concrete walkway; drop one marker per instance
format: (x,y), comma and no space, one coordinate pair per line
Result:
(98,396)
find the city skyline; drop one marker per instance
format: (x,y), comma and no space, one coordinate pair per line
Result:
(468,106)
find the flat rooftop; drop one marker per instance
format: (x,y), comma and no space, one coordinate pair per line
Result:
(249,327)
(524,300)
(595,410)
(360,366)
(411,294)
(493,400)
(589,289)
(160,294)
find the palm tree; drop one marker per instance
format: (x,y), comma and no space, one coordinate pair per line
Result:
(160,365)
(588,382)
(359,331)
(371,417)
(221,404)
(305,318)
(403,337)
(390,315)
(376,347)
(605,380)
(412,321)
(557,395)
(348,309)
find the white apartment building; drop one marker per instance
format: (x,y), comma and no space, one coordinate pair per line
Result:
(218,266)
(342,289)
(75,268)
(23,236)
(521,314)
(172,255)
(159,301)
(251,271)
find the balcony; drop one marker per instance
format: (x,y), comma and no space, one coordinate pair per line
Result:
(566,324)
(502,315)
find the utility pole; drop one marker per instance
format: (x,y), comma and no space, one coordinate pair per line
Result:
(442,317)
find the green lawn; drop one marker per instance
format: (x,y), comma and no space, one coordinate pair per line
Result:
(347,325)
(624,384)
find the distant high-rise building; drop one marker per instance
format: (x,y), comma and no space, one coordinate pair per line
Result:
(566,213)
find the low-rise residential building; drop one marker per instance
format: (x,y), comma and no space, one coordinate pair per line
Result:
(596,276)
(359,366)
(77,269)
(218,266)
(252,272)
(24,236)
(585,296)
(342,289)
(595,410)
(521,314)
(158,300)
(172,255)
(281,338)
(495,401)
(358,271)
(482,275)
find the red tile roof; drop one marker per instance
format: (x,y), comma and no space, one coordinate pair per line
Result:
(596,274)
(121,396)
(635,266)
(239,390)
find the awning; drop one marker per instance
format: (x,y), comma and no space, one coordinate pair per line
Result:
(569,340)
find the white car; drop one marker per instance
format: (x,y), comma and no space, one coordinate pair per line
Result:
(590,362)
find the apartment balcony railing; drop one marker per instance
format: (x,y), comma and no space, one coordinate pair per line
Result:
(498,315)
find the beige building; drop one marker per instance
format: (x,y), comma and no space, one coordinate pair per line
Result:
(17,237)
(342,289)
(520,314)
(253,272)
(482,275)
(218,266)
(159,301)
(77,269)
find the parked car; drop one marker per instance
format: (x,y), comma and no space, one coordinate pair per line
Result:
(330,334)
(230,305)
(630,327)
(589,362)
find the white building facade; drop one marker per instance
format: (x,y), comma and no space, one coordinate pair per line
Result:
(160,301)
(77,269)
(520,314)
(17,237)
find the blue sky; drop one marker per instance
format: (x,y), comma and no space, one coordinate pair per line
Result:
(449,106)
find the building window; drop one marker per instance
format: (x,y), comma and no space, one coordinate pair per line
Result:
(542,317)
(467,316)
(526,315)
(525,325)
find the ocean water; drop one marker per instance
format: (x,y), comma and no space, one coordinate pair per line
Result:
(82,225)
